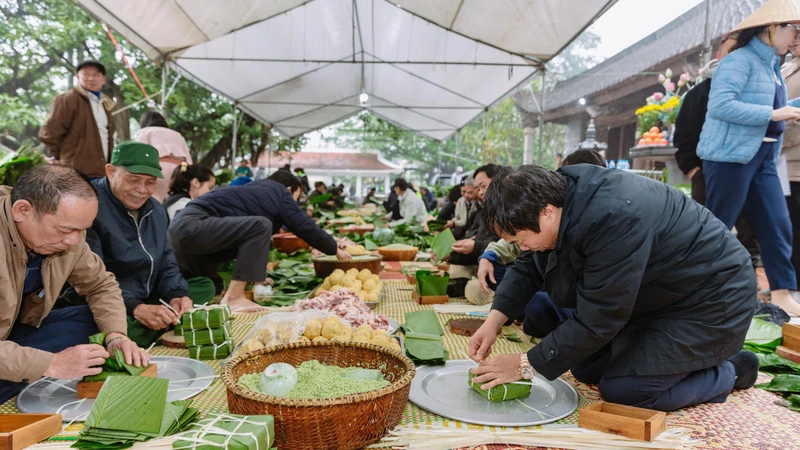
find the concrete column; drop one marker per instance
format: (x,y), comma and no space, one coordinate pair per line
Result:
(527,154)
(576,132)
(387,185)
(359,186)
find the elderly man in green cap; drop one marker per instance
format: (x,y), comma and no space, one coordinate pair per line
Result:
(130,235)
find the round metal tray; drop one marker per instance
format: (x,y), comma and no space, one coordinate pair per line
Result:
(49,396)
(444,390)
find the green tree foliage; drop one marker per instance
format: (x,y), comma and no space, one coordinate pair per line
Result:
(42,42)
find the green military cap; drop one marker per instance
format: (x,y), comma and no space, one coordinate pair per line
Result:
(138,158)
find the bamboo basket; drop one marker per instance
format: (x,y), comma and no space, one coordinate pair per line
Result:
(357,229)
(343,423)
(288,243)
(325,268)
(398,255)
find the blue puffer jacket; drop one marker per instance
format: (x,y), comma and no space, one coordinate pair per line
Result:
(268,199)
(740,104)
(139,255)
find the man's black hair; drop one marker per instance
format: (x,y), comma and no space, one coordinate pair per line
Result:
(44,186)
(517,196)
(286,178)
(401,183)
(584,157)
(491,170)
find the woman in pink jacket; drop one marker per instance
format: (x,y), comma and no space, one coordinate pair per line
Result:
(171,146)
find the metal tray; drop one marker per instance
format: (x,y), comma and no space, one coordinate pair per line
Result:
(443,390)
(49,396)
(373,305)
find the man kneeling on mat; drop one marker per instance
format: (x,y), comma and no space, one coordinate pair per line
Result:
(663,292)
(43,246)
(238,223)
(130,235)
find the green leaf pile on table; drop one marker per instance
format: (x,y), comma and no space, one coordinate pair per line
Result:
(423,338)
(114,364)
(133,409)
(292,281)
(230,432)
(207,330)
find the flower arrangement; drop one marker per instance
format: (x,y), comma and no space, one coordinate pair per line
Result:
(662,108)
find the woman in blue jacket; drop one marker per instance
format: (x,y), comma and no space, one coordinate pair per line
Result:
(741,141)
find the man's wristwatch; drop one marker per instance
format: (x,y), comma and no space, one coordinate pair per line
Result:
(525,369)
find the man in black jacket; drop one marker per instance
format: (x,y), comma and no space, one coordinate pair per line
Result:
(663,293)
(238,223)
(130,236)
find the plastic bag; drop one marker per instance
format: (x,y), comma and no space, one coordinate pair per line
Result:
(284,328)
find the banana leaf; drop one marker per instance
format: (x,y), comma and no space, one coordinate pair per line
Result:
(786,383)
(370,246)
(424,322)
(320,199)
(774,364)
(429,284)
(503,392)
(133,404)
(425,349)
(214,431)
(211,316)
(436,225)
(208,336)
(442,244)
(114,365)
(763,336)
(177,416)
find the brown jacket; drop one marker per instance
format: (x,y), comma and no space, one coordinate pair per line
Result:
(791,139)
(77,265)
(71,135)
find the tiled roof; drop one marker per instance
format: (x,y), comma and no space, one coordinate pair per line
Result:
(328,161)
(679,36)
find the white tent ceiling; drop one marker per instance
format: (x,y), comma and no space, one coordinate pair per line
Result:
(431,66)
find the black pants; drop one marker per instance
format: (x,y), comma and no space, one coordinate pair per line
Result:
(745,231)
(662,392)
(794,214)
(202,242)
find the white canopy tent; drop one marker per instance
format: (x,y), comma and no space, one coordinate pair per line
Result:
(431,66)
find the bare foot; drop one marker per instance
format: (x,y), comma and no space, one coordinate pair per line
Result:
(786,302)
(242,305)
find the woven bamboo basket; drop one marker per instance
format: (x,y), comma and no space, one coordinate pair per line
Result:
(398,255)
(357,229)
(342,423)
(325,268)
(288,243)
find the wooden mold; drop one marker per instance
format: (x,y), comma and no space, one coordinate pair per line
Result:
(90,389)
(429,299)
(18,431)
(288,243)
(791,336)
(171,340)
(466,327)
(634,423)
(787,353)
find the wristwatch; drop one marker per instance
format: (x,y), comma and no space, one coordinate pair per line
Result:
(525,369)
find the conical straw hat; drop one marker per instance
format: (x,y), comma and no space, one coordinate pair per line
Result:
(772,12)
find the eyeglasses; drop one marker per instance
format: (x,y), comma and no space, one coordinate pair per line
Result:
(796,30)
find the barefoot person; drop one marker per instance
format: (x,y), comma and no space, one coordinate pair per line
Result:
(130,235)
(43,222)
(663,293)
(238,223)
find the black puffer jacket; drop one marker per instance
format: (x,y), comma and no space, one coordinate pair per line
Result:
(270,199)
(140,256)
(649,271)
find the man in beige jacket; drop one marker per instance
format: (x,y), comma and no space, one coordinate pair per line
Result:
(42,247)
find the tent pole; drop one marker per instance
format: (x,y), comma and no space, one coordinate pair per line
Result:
(164,74)
(707,35)
(541,118)
(235,132)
